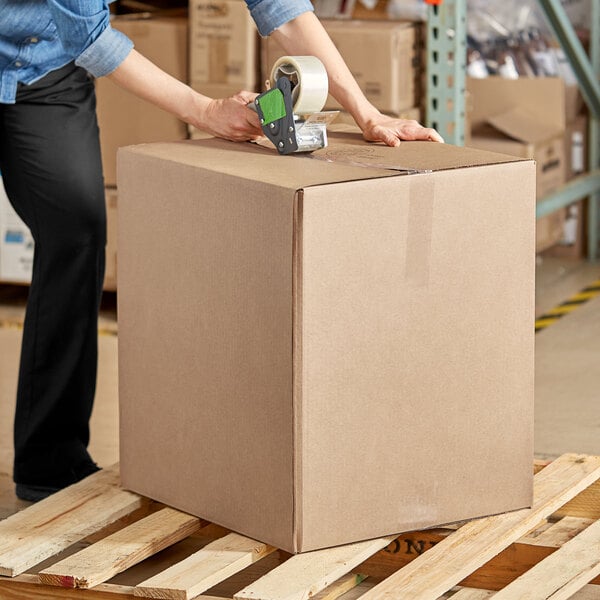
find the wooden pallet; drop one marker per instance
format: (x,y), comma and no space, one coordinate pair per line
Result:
(96,541)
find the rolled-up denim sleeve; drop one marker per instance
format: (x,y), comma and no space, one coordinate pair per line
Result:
(84,30)
(271,14)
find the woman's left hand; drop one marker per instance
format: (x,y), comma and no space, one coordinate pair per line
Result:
(392,131)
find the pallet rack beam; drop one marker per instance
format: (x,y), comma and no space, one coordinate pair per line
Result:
(446,68)
(446,74)
(588,74)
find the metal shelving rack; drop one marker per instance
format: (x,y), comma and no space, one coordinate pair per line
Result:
(446,72)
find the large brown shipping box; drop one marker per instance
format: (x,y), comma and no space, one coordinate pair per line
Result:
(384,57)
(318,349)
(125,119)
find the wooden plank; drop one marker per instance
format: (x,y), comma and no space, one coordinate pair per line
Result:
(28,587)
(204,569)
(52,525)
(341,587)
(304,575)
(496,574)
(101,561)
(472,594)
(559,533)
(561,575)
(451,560)
(585,505)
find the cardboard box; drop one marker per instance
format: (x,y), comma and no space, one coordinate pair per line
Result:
(16,244)
(125,119)
(525,118)
(336,346)
(543,96)
(223,48)
(110,274)
(334,9)
(389,73)
(549,230)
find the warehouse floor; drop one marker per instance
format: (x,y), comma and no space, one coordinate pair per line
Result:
(567,374)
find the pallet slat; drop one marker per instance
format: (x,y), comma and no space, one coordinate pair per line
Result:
(112,555)
(549,560)
(563,573)
(559,533)
(204,569)
(453,559)
(472,594)
(28,587)
(340,587)
(52,525)
(304,575)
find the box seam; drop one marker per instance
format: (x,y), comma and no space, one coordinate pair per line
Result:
(297,372)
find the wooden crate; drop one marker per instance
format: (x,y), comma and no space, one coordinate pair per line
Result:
(96,541)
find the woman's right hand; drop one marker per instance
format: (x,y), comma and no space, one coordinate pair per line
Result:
(230,118)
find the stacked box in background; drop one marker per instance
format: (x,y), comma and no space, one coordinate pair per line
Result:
(223,49)
(525,117)
(110,273)
(389,73)
(16,244)
(125,119)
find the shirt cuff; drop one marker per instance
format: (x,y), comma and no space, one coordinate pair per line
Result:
(106,53)
(269,15)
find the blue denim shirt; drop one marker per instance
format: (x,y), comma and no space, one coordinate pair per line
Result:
(39,36)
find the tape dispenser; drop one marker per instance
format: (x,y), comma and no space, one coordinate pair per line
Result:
(291,110)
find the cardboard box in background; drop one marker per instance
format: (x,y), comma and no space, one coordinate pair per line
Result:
(545,97)
(525,118)
(16,244)
(309,316)
(110,274)
(125,119)
(389,73)
(549,230)
(334,9)
(223,48)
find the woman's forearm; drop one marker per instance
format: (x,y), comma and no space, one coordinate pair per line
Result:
(228,118)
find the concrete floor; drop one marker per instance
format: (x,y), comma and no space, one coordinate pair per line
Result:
(567,375)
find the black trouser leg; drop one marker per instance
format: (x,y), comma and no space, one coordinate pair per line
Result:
(50,163)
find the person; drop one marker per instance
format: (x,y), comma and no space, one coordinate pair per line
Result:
(50,163)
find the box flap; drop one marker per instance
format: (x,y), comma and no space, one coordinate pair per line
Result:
(250,161)
(347,158)
(410,157)
(522,125)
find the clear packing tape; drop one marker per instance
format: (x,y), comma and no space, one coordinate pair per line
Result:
(309,82)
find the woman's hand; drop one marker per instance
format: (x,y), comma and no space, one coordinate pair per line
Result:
(231,119)
(392,131)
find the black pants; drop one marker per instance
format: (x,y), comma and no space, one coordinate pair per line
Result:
(50,164)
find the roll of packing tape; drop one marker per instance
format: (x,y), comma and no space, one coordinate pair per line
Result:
(309,82)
